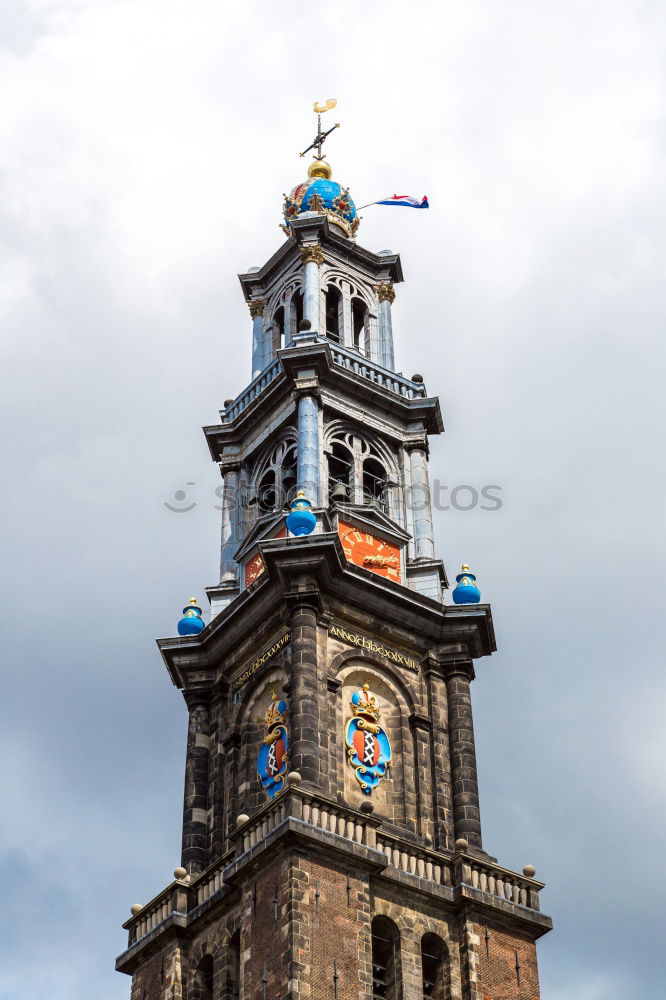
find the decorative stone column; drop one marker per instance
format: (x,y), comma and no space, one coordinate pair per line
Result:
(303,696)
(313,258)
(419,499)
(441,755)
(466,815)
(307,454)
(386,296)
(230,522)
(259,360)
(195,801)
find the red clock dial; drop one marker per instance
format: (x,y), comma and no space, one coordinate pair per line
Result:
(254,567)
(367,550)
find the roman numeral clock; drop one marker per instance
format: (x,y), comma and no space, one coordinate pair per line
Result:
(369,550)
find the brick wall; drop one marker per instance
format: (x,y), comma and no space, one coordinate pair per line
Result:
(505,963)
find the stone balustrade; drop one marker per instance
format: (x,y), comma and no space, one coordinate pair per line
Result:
(151,915)
(414,861)
(499,882)
(353,362)
(208,883)
(300,810)
(255,830)
(254,389)
(359,365)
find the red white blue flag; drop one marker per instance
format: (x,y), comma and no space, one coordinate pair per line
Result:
(401,199)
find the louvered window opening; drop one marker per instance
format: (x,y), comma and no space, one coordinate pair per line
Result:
(383,968)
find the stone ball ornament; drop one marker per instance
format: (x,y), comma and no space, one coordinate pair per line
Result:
(301,520)
(529,871)
(179,874)
(191,623)
(467,591)
(136,908)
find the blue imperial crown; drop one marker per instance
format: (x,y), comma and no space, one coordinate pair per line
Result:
(322,195)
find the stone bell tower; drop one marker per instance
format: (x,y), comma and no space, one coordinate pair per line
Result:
(331,840)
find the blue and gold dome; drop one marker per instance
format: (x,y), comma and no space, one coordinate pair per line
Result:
(322,195)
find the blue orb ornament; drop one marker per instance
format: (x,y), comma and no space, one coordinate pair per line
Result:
(467,591)
(300,520)
(191,623)
(322,195)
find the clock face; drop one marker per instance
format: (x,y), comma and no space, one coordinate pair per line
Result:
(254,567)
(370,552)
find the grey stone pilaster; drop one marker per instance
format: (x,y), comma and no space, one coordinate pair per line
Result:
(420,502)
(195,801)
(259,361)
(303,697)
(307,463)
(464,782)
(386,296)
(312,258)
(230,525)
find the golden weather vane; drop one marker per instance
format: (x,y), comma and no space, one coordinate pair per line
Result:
(320,137)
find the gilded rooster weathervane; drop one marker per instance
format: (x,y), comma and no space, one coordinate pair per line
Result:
(320,137)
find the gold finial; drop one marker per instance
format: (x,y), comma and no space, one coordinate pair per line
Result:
(193,600)
(464,568)
(366,686)
(320,168)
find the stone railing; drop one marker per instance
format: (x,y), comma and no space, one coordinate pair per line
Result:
(353,362)
(340,820)
(359,365)
(254,389)
(255,830)
(500,882)
(414,861)
(146,918)
(460,871)
(208,883)
(312,810)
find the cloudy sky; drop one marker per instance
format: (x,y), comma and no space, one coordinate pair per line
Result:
(144,149)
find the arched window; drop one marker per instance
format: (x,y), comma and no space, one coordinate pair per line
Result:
(233,980)
(333,313)
(386,978)
(266,492)
(361,471)
(340,474)
(203,979)
(435,966)
(374,483)
(296,310)
(277,479)
(359,321)
(288,475)
(278,328)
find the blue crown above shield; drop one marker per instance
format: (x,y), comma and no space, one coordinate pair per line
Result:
(275,713)
(364,703)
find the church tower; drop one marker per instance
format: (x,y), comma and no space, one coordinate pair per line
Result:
(331,845)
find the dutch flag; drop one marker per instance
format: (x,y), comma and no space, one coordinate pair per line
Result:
(401,199)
